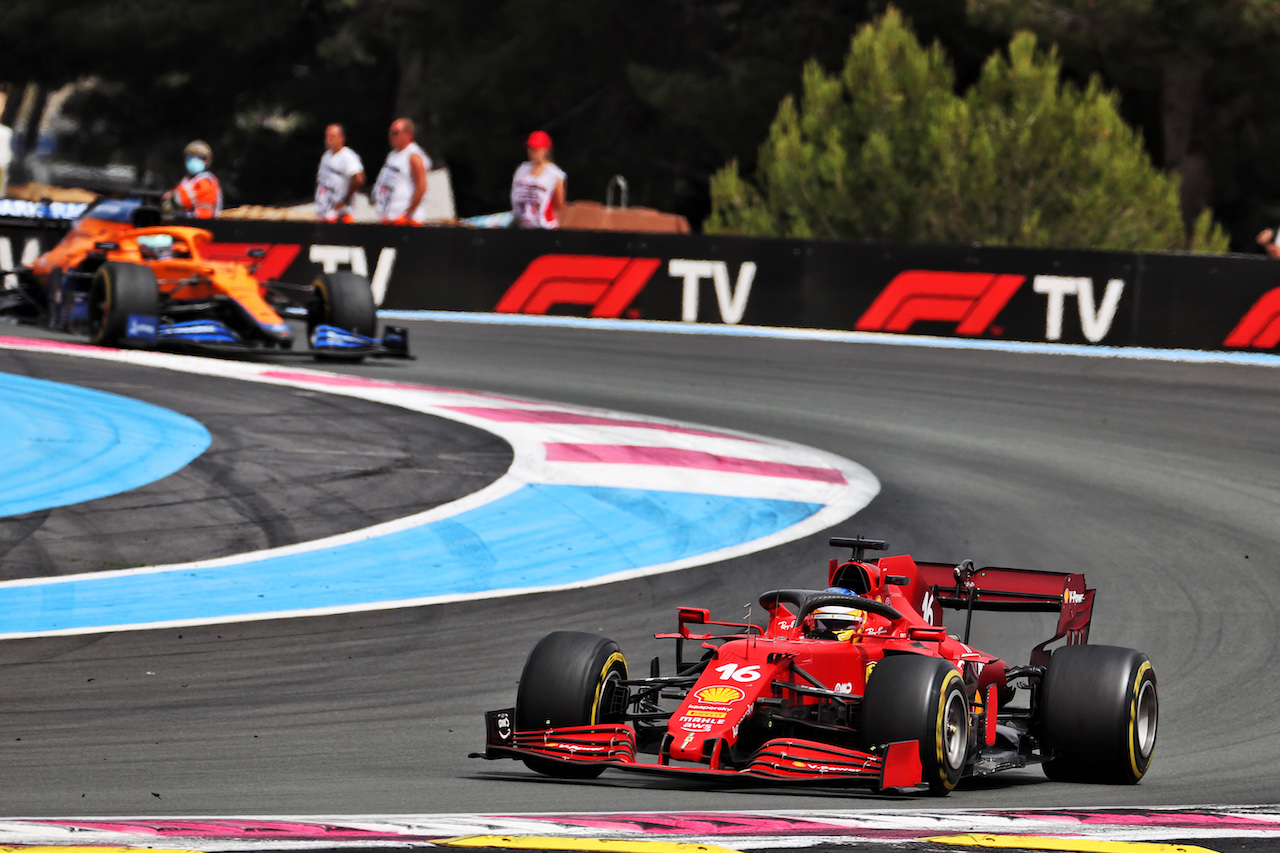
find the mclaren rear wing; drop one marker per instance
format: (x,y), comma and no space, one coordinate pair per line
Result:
(964,587)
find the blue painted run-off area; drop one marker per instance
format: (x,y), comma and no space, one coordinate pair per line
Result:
(539,535)
(65,445)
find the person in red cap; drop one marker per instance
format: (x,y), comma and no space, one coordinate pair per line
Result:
(537,189)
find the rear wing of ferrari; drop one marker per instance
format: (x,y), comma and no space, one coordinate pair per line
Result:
(964,587)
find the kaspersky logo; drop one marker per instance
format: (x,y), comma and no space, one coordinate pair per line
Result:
(720,695)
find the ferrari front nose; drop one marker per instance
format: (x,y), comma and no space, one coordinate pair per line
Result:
(688,747)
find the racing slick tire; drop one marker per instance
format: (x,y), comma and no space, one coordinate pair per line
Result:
(117,291)
(1099,706)
(912,697)
(344,300)
(563,683)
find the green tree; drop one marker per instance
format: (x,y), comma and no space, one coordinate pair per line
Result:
(887,150)
(1196,75)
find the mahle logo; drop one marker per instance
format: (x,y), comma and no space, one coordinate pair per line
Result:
(719,695)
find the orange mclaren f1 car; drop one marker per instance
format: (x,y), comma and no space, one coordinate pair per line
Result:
(126,278)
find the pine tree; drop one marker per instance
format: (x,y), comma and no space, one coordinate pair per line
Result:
(886,150)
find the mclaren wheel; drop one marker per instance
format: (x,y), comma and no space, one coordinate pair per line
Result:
(344,300)
(569,680)
(912,697)
(1099,707)
(117,292)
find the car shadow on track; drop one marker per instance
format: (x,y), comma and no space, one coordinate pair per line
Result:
(773,792)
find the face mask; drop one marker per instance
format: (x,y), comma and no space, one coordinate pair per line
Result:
(195,165)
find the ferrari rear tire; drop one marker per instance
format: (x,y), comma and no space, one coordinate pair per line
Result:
(116,292)
(912,697)
(1099,708)
(565,679)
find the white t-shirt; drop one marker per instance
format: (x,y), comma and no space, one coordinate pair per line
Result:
(531,195)
(6,146)
(333,181)
(394,188)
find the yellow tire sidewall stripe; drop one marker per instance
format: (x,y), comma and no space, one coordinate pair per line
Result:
(940,735)
(1133,722)
(615,658)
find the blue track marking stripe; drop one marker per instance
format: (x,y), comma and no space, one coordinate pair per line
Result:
(65,445)
(540,536)
(591,497)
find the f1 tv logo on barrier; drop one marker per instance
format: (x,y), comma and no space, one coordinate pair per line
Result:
(607,285)
(1260,327)
(972,300)
(731,300)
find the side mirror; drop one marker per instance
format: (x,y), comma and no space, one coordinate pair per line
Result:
(692,615)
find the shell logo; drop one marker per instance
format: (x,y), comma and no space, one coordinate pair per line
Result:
(722,695)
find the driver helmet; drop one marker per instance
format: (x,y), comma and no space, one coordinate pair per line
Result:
(156,245)
(841,621)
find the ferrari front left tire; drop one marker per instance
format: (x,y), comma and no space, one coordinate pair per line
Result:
(568,681)
(913,697)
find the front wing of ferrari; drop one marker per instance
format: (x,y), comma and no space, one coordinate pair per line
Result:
(782,760)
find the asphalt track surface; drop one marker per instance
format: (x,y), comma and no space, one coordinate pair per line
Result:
(1158,480)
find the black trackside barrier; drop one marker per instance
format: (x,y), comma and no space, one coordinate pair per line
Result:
(1124,299)
(22,240)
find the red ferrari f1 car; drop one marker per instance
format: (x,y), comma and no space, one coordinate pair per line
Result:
(857,684)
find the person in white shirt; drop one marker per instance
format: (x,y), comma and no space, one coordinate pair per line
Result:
(537,188)
(6,156)
(340,177)
(400,193)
